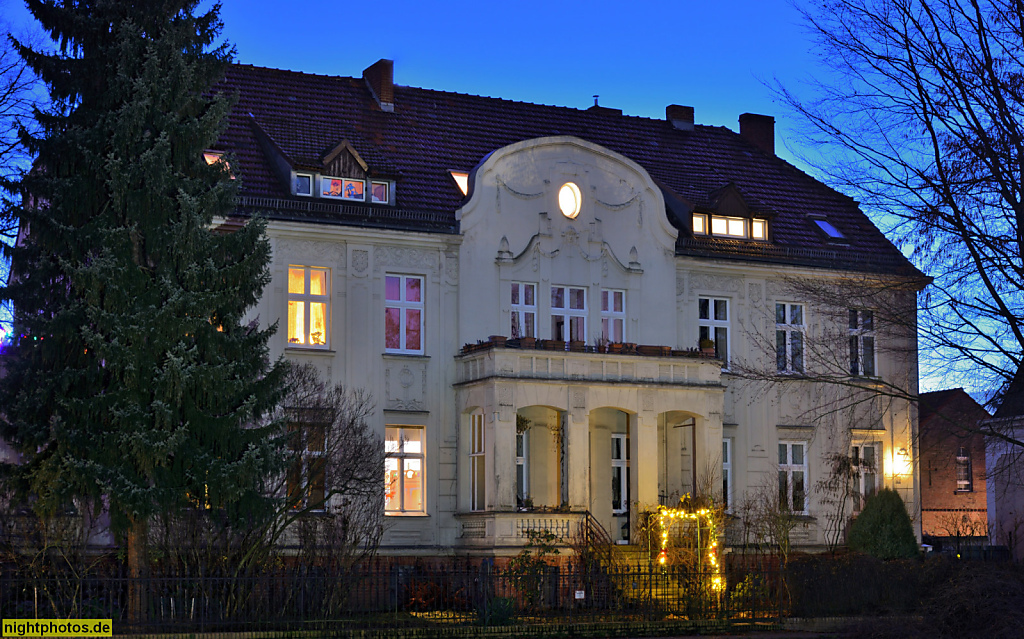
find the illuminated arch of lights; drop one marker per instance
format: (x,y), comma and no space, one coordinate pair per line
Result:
(708,552)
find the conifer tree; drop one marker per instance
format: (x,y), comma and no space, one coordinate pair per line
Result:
(134,379)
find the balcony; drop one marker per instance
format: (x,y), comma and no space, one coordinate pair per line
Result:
(547,360)
(489,530)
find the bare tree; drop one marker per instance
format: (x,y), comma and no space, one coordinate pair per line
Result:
(332,494)
(920,119)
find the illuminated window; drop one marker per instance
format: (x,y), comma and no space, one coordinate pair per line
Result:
(700,224)
(307,477)
(308,306)
(964,481)
(737,227)
(379,192)
(864,464)
(214,157)
(403,469)
(304,184)
(789,338)
(570,200)
(793,476)
(524,309)
(568,311)
(477,461)
(713,326)
(403,314)
(620,474)
(862,343)
(342,188)
(461,180)
(613,315)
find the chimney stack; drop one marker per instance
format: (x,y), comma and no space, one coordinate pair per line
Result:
(380,77)
(759,130)
(681,117)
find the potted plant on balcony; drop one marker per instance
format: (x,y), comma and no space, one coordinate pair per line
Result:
(528,342)
(577,345)
(707,346)
(497,340)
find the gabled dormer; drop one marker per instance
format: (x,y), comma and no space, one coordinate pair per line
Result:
(727,214)
(339,173)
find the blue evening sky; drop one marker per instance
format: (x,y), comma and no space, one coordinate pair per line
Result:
(638,56)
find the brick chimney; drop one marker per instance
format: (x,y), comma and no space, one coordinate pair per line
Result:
(380,77)
(759,130)
(681,117)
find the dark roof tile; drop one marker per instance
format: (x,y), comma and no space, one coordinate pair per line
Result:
(431,132)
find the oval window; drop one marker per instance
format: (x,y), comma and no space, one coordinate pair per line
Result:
(569,200)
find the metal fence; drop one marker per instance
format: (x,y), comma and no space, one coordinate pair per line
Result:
(394,597)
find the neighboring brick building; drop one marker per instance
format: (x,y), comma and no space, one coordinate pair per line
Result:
(952,453)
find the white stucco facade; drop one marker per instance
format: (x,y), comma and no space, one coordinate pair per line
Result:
(483,483)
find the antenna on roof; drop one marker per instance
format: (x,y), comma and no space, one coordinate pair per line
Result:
(595,99)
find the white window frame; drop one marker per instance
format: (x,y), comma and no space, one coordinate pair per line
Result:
(522,467)
(387,191)
(610,317)
(964,462)
(863,345)
(863,471)
(787,472)
(790,337)
(304,467)
(405,305)
(727,485)
(568,314)
(477,463)
(401,454)
(305,298)
(328,178)
(622,462)
(730,227)
(521,310)
(710,326)
(312,184)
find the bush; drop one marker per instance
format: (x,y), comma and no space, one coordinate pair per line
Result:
(883,528)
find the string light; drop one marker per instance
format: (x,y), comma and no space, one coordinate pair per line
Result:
(668,516)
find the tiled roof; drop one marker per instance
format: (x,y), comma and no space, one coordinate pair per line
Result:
(432,132)
(949,411)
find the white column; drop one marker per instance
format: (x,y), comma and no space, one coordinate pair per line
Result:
(577,467)
(502,457)
(643,456)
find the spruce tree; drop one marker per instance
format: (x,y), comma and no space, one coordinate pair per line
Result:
(133,378)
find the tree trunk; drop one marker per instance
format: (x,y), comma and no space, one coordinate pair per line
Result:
(138,570)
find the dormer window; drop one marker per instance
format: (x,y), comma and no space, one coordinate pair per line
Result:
(380,192)
(342,188)
(214,157)
(461,180)
(725,226)
(304,184)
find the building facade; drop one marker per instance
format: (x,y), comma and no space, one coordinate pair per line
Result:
(565,312)
(953,478)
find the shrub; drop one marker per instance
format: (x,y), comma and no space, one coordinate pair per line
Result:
(883,528)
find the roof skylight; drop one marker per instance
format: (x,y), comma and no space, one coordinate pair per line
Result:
(829,230)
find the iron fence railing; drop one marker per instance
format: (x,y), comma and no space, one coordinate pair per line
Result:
(397,596)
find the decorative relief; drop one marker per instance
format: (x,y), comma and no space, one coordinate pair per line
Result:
(331,254)
(405,386)
(360,260)
(451,267)
(777,288)
(522,195)
(404,256)
(755,293)
(647,399)
(708,282)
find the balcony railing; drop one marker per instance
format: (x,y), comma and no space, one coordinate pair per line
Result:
(544,359)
